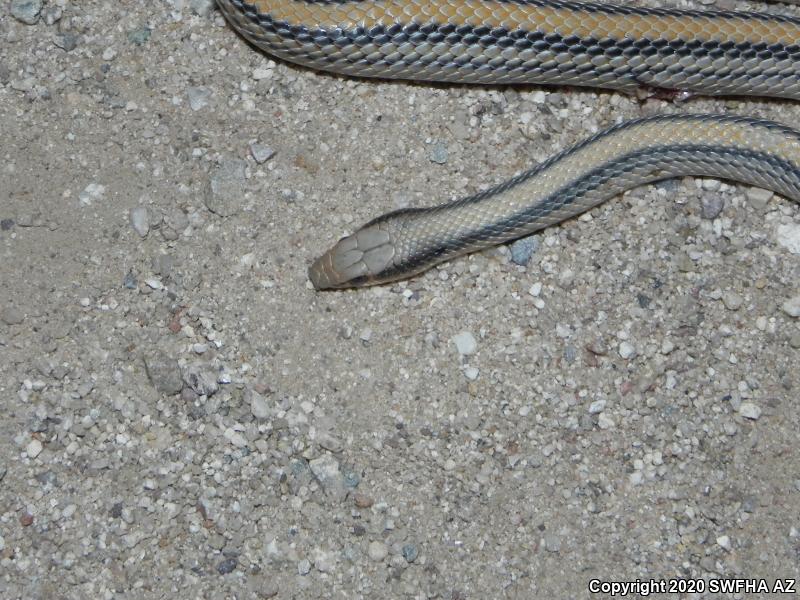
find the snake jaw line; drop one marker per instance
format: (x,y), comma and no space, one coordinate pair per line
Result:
(355,260)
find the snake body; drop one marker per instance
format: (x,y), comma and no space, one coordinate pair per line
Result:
(545,42)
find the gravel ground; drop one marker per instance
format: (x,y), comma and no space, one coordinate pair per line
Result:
(185,417)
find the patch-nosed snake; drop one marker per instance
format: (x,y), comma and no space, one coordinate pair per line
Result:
(545,42)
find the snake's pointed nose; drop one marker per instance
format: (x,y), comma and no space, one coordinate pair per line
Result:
(356,260)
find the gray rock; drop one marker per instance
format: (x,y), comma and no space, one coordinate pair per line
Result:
(140,220)
(465,343)
(202,7)
(164,373)
(439,153)
(712,206)
(225,191)
(792,307)
(261,153)
(199,97)
(377,551)
(26,11)
(522,250)
(11,315)
(201,379)
(258,405)
(326,470)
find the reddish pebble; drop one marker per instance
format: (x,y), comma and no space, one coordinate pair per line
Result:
(26,519)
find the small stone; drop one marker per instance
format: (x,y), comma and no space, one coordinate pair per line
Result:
(304,567)
(627,350)
(199,97)
(201,379)
(67,41)
(202,8)
(326,470)
(140,220)
(12,316)
(792,307)
(732,300)
(26,519)
(377,551)
(552,543)
(712,205)
(604,421)
(465,343)
(34,448)
(261,153)
(6,224)
(749,410)
(26,11)
(536,289)
(324,561)
(597,406)
(471,373)
(362,500)
(139,36)
(227,566)
(758,197)
(522,250)
(410,552)
(91,193)
(789,237)
(258,405)
(711,185)
(439,153)
(226,188)
(164,373)
(724,542)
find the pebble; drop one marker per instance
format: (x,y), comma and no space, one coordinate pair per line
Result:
(724,542)
(225,192)
(604,421)
(522,250)
(304,567)
(199,97)
(377,551)
(261,153)
(202,8)
(712,205)
(466,343)
(26,11)
(552,543)
(627,350)
(439,153)
(597,407)
(227,566)
(258,405)
(34,448)
(324,561)
(792,307)
(410,552)
(164,373)
(749,410)
(326,470)
(201,379)
(91,193)
(732,300)
(471,373)
(12,316)
(139,36)
(140,220)
(758,197)
(789,237)
(535,289)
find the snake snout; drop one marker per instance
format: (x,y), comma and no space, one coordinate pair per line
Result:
(355,260)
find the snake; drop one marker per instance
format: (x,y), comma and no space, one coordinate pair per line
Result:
(545,42)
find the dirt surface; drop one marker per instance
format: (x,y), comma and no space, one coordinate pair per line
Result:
(185,417)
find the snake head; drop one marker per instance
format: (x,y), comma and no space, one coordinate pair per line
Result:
(355,261)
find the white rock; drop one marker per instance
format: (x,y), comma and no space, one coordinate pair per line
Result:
(378,551)
(724,542)
(34,448)
(792,307)
(626,350)
(465,343)
(789,237)
(749,410)
(597,407)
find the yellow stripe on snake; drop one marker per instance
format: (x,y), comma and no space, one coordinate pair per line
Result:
(545,42)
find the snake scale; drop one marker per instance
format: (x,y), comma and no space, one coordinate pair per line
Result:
(545,42)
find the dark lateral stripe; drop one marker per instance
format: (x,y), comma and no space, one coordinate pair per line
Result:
(587,183)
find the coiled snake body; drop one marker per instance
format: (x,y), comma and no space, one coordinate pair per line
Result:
(546,42)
